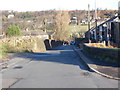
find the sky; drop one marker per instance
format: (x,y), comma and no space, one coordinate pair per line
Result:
(38,5)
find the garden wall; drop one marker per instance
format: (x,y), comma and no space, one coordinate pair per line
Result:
(106,54)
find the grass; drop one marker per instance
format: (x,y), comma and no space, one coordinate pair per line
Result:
(78,31)
(78,28)
(2,51)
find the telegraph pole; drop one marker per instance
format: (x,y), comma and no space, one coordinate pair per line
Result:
(119,19)
(1,23)
(96,23)
(89,23)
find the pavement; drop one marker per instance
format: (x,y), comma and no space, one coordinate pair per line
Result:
(57,68)
(105,69)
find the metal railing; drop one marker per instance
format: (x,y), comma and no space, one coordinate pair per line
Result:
(95,31)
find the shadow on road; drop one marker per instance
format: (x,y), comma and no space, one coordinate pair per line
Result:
(64,55)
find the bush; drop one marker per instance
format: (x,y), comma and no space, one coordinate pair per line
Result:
(13,31)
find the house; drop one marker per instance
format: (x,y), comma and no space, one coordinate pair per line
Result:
(107,31)
(11,16)
(84,22)
(73,20)
(39,33)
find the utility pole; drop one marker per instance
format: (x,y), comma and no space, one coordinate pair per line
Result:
(1,23)
(96,23)
(44,21)
(89,23)
(119,9)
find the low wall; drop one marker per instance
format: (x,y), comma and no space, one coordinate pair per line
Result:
(49,44)
(106,54)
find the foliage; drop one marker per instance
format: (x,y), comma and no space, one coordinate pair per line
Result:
(26,15)
(13,31)
(2,50)
(35,20)
(101,45)
(61,25)
(78,31)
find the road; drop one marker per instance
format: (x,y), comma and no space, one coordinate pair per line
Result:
(57,68)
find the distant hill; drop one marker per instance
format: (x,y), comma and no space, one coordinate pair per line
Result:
(39,20)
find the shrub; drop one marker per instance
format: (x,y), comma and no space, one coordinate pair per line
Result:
(13,31)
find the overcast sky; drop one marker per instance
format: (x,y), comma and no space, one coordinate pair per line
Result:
(37,5)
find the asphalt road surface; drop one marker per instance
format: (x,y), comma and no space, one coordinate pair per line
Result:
(57,68)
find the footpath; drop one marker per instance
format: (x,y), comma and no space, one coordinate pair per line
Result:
(104,69)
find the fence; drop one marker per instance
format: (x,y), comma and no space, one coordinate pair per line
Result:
(104,32)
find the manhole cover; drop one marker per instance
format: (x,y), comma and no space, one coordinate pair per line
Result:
(18,67)
(85,74)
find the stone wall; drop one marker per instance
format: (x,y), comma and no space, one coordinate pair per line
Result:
(106,54)
(50,44)
(24,44)
(115,33)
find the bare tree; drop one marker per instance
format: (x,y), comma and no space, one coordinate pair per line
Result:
(61,25)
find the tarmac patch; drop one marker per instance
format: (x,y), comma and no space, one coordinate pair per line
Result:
(18,67)
(85,74)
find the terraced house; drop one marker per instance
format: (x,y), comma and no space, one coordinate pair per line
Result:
(108,31)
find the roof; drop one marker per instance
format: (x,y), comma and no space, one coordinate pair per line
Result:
(34,33)
(50,33)
(116,21)
(110,20)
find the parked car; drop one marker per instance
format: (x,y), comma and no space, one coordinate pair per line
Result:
(66,43)
(72,42)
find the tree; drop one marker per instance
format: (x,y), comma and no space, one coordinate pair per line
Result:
(78,34)
(61,25)
(13,31)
